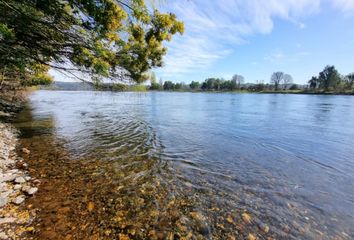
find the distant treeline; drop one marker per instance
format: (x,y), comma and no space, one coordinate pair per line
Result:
(328,80)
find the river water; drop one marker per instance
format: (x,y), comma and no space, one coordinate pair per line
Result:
(204,165)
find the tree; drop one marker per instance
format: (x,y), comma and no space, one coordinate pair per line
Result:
(350,80)
(153,84)
(294,87)
(194,85)
(287,79)
(237,81)
(329,78)
(178,86)
(314,82)
(276,79)
(103,38)
(168,85)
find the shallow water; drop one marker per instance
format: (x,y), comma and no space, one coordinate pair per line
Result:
(205,165)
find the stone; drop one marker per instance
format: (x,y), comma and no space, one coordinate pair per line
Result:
(13,171)
(3,236)
(32,191)
(20,180)
(3,202)
(26,188)
(6,194)
(4,114)
(19,200)
(7,220)
(7,177)
(17,186)
(26,151)
(27,178)
(251,237)
(246,217)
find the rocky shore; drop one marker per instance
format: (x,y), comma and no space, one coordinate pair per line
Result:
(15,187)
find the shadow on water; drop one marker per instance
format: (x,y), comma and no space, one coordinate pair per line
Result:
(109,175)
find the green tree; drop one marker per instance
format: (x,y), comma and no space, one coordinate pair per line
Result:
(104,38)
(350,81)
(168,86)
(178,86)
(153,84)
(194,85)
(329,78)
(314,82)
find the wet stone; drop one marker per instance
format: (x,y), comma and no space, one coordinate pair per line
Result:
(26,151)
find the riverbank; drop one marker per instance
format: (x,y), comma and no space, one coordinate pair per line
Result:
(15,187)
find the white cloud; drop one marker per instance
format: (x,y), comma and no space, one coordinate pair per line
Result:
(278,57)
(346,6)
(213,28)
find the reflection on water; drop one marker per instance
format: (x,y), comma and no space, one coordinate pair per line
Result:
(198,166)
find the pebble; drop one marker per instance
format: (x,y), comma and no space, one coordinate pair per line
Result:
(26,151)
(251,237)
(8,177)
(7,220)
(3,236)
(6,194)
(32,191)
(17,186)
(19,200)
(3,202)
(20,180)
(246,217)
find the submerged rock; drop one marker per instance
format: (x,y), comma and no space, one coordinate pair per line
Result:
(32,191)
(26,151)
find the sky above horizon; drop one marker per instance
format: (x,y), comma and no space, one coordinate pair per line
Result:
(254,38)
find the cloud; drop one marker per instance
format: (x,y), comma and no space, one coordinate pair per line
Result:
(346,6)
(213,28)
(278,57)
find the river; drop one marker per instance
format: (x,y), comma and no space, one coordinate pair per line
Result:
(193,165)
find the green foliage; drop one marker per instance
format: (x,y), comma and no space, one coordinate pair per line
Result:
(329,78)
(105,38)
(349,81)
(155,86)
(314,82)
(138,88)
(119,87)
(168,85)
(294,87)
(194,85)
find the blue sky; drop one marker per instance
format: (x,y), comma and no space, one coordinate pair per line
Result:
(257,37)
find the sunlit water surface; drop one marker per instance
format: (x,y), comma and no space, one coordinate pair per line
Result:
(285,160)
